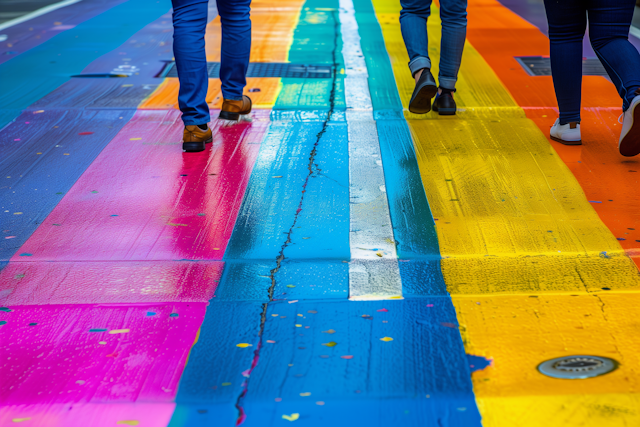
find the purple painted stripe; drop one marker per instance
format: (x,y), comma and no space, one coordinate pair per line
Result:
(52,127)
(26,35)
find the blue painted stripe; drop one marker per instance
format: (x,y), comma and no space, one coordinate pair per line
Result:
(295,280)
(30,76)
(275,189)
(379,383)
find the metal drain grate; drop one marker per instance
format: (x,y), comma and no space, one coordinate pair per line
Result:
(540,66)
(265,69)
(577,367)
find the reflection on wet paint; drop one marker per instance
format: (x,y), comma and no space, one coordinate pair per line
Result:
(144,286)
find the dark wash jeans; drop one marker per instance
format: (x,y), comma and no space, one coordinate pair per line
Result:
(189,26)
(413,23)
(609,22)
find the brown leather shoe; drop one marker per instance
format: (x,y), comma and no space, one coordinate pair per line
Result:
(231,110)
(194,138)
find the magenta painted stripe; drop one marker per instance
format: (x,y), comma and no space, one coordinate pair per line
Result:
(127,282)
(92,353)
(143,199)
(87,414)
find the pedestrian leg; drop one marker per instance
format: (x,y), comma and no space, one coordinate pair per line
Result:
(234,57)
(567,25)
(453,14)
(189,27)
(609,24)
(190,22)
(413,24)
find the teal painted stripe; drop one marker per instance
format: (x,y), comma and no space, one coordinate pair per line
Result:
(32,75)
(382,83)
(313,43)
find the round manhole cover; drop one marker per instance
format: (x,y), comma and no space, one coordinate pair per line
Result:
(577,367)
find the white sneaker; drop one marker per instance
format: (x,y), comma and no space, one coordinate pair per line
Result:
(568,134)
(629,144)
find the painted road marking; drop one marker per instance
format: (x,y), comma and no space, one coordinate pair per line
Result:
(37,13)
(511,219)
(510,215)
(28,81)
(373,269)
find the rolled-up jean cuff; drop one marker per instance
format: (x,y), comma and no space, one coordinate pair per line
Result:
(191,122)
(447,83)
(418,64)
(568,118)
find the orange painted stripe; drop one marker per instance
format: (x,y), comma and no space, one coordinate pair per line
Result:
(271,33)
(604,175)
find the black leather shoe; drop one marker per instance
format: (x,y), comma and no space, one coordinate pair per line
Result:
(426,89)
(444,104)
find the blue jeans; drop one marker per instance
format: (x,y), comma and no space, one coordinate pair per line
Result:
(609,22)
(189,26)
(413,23)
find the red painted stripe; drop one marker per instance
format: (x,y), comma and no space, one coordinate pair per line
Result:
(119,282)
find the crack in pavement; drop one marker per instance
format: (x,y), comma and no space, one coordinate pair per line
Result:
(263,315)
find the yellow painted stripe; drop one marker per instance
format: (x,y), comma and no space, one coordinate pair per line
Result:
(519,238)
(519,332)
(510,216)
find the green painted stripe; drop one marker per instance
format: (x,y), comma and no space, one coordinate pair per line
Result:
(313,43)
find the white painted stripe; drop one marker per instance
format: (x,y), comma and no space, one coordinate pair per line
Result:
(373,269)
(37,13)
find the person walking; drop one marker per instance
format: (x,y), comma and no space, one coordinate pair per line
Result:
(609,22)
(189,24)
(413,23)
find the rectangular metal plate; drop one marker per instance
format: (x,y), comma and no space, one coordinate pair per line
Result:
(265,69)
(541,66)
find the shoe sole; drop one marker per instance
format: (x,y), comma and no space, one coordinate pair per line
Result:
(630,144)
(421,103)
(562,141)
(444,111)
(227,115)
(195,147)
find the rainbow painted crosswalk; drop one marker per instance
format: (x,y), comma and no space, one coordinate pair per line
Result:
(331,260)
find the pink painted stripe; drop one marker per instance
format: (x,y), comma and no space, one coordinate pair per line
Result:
(85,415)
(49,355)
(33,283)
(143,199)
